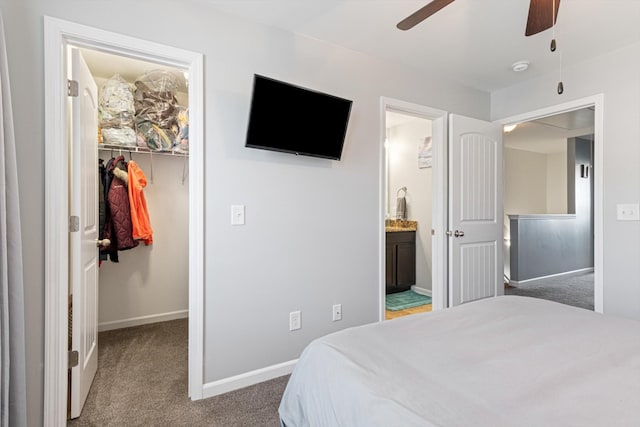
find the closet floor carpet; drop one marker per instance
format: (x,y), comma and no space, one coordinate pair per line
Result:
(142,381)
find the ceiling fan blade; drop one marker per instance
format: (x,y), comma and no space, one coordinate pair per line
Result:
(541,16)
(422,14)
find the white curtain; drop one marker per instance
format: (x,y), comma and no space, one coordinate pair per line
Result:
(12,371)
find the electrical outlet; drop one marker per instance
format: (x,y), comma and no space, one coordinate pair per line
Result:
(295,320)
(628,212)
(337,312)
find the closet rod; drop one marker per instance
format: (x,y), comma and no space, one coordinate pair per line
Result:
(110,147)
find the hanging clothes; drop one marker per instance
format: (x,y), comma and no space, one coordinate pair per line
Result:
(110,251)
(138,204)
(102,215)
(118,200)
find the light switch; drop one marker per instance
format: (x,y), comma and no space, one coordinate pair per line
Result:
(237,214)
(628,212)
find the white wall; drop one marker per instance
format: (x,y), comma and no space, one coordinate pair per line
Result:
(152,280)
(404,140)
(617,76)
(311,238)
(525,182)
(534,183)
(557,182)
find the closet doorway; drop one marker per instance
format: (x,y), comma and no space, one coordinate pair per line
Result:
(168,275)
(139,282)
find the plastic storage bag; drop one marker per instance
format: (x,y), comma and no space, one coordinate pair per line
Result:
(181,142)
(116,112)
(156,109)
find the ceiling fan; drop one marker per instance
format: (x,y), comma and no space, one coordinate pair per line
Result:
(542,15)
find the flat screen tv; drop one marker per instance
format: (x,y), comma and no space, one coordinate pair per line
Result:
(293,119)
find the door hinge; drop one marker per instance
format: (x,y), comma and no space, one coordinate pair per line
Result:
(72,356)
(72,88)
(74,223)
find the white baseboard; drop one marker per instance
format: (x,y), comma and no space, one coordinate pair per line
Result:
(142,320)
(248,378)
(421,291)
(566,273)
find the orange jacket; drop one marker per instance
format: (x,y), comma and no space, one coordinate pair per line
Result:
(139,214)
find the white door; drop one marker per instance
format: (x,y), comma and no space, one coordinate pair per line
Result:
(84,254)
(475,211)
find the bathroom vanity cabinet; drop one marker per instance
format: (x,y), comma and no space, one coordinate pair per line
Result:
(400,261)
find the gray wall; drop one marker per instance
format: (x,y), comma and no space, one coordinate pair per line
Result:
(311,238)
(617,76)
(543,245)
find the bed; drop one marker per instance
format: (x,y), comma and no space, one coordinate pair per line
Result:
(501,361)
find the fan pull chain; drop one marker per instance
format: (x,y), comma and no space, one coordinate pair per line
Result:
(554,45)
(553,26)
(560,84)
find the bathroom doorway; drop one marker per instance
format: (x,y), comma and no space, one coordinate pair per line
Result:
(408,166)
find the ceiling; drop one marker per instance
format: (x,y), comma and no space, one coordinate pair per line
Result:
(472,42)
(549,134)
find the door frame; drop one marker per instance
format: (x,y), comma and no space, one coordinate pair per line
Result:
(439,205)
(58,35)
(596,101)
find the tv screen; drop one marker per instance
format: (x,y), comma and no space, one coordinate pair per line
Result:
(293,119)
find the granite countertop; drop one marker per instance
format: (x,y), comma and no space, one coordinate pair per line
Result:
(395,225)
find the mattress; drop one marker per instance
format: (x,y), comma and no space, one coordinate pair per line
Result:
(501,361)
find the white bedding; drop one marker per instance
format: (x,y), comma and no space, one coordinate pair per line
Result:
(505,361)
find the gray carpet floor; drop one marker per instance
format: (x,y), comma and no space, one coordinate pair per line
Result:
(575,290)
(142,381)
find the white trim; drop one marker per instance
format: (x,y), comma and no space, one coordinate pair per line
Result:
(57,35)
(565,273)
(56,235)
(439,197)
(142,320)
(598,196)
(226,385)
(421,291)
(196,226)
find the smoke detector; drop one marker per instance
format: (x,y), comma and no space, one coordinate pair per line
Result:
(520,66)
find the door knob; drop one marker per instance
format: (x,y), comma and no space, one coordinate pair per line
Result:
(458,233)
(103,243)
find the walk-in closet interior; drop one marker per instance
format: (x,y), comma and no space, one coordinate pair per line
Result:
(142,121)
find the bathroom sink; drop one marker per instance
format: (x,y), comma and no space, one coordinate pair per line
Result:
(396,225)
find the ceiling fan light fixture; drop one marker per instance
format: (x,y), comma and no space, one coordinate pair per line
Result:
(520,66)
